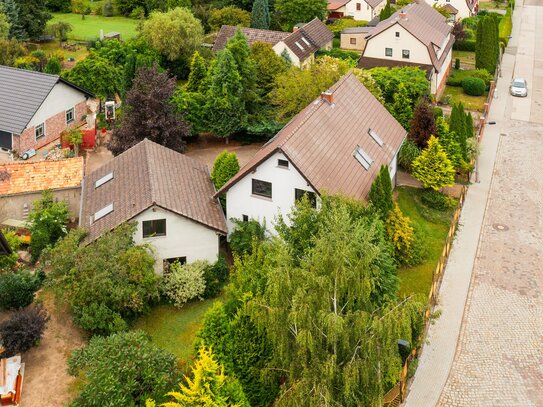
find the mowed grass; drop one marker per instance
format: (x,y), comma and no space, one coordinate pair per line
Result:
(470,102)
(434,225)
(467,57)
(79,54)
(174,329)
(89,28)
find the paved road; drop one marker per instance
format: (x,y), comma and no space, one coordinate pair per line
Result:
(486,349)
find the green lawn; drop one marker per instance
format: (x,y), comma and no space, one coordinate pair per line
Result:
(435,226)
(90,27)
(491,5)
(49,47)
(470,102)
(174,329)
(467,57)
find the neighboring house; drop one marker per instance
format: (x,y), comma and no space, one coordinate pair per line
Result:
(22,183)
(416,35)
(336,145)
(459,8)
(4,246)
(300,45)
(168,195)
(354,38)
(364,10)
(36,107)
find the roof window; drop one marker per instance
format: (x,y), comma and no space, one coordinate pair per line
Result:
(103,180)
(106,210)
(363,158)
(299,46)
(304,40)
(376,137)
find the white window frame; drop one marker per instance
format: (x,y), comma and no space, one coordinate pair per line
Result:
(72,111)
(42,125)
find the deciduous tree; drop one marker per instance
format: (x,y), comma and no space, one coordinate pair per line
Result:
(150,113)
(433,168)
(292,12)
(229,15)
(96,74)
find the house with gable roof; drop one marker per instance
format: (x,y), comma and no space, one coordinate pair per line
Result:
(167,194)
(35,108)
(360,10)
(416,35)
(300,45)
(336,145)
(458,8)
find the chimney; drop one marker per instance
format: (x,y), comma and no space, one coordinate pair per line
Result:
(294,29)
(403,15)
(328,97)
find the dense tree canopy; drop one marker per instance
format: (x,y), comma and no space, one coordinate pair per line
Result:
(413,78)
(96,74)
(150,113)
(5,25)
(32,17)
(292,12)
(230,15)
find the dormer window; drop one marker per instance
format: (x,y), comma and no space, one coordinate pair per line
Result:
(103,180)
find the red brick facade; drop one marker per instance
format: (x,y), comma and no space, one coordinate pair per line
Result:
(53,127)
(441,86)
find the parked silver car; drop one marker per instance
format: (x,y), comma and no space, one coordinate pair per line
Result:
(519,87)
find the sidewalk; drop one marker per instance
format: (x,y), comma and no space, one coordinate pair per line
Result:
(439,351)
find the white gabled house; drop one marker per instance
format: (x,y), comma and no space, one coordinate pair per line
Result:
(336,145)
(458,8)
(416,35)
(360,10)
(168,195)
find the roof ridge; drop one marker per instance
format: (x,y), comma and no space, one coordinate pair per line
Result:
(39,162)
(29,71)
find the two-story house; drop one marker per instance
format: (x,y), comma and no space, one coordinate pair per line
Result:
(167,194)
(458,8)
(300,45)
(416,35)
(335,145)
(36,107)
(361,10)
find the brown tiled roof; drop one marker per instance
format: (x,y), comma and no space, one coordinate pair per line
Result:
(24,177)
(450,8)
(374,3)
(145,175)
(335,4)
(321,140)
(308,39)
(426,24)
(319,34)
(368,63)
(252,35)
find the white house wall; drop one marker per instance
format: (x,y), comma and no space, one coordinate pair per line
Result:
(418,52)
(280,47)
(184,238)
(366,13)
(460,5)
(62,97)
(240,201)
(441,76)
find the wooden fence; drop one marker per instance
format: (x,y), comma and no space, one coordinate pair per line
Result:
(396,395)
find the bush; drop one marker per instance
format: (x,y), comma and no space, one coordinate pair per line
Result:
(23,330)
(349,56)
(339,25)
(408,153)
(457,76)
(7,262)
(17,289)
(457,63)
(122,370)
(473,86)
(107,9)
(401,234)
(215,276)
(53,66)
(246,234)
(226,165)
(466,45)
(437,200)
(185,282)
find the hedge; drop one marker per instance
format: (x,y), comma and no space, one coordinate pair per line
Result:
(506,27)
(467,45)
(349,56)
(458,75)
(473,86)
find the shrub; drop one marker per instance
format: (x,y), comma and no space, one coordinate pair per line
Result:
(437,200)
(432,167)
(457,63)
(349,56)
(215,276)
(245,234)
(7,262)
(17,289)
(380,195)
(474,86)
(185,282)
(122,370)
(226,165)
(457,76)
(23,330)
(339,25)
(408,153)
(401,234)
(53,66)
(466,45)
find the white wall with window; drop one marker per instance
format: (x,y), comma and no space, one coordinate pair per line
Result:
(269,190)
(39,131)
(175,236)
(461,5)
(360,10)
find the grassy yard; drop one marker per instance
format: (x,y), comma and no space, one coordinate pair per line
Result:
(470,102)
(435,226)
(53,46)
(90,27)
(466,57)
(491,5)
(174,329)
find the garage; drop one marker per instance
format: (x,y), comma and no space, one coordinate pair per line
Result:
(5,140)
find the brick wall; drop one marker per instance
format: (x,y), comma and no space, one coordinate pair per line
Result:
(53,127)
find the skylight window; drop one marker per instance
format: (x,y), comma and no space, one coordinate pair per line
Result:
(376,137)
(103,180)
(363,158)
(106,210)
(304,40)
(299,46)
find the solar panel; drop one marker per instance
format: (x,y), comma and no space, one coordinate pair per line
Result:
(363,158)
(106,210)
(103,180)
(376,137)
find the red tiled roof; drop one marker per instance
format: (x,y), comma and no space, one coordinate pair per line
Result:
(23,177)
(145,175)
(321,140)
(252,35)
(335,4)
